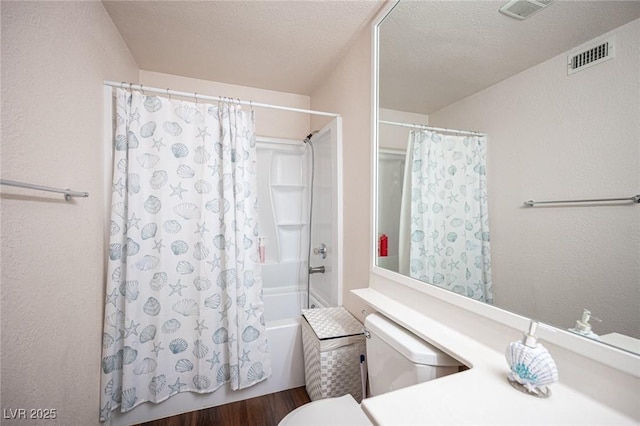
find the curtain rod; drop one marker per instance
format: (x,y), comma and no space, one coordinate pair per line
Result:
(67,192)
(437,129)
(198,96)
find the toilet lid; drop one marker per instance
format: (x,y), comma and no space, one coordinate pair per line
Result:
(331,411)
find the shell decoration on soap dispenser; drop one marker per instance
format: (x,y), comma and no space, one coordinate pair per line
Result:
(532,368)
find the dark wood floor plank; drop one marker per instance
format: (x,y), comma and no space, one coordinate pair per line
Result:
(265,410)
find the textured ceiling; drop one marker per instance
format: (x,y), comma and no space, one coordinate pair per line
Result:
(286,46)
(433,53)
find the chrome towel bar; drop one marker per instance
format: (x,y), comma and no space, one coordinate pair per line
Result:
(634,199)
(68,194)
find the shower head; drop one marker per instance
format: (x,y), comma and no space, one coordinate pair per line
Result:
(308,138)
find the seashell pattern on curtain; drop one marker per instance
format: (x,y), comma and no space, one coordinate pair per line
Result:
(448,233)
(183,306)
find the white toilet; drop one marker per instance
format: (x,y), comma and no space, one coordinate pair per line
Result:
(396,358)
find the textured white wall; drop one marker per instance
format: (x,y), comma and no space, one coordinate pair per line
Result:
(269,122)
(347,91)
(55,57)
(553,136)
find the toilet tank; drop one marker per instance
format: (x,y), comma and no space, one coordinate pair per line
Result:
(397,358)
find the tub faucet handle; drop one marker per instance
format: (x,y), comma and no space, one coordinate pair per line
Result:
(321,250)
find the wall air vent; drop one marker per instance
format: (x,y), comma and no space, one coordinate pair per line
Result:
(590,56)
(522,9)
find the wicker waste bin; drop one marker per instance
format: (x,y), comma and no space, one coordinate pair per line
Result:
(333,341)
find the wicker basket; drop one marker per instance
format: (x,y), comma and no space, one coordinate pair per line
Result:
(333,341)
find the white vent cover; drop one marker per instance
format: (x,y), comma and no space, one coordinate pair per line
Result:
(591,55)
(522,9)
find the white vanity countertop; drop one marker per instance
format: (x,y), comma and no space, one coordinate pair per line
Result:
(480,395)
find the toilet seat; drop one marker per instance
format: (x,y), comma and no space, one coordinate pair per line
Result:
(343,410)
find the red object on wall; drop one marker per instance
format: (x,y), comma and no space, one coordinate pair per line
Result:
(383,246)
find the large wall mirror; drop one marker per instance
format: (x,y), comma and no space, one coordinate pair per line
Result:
(480,112)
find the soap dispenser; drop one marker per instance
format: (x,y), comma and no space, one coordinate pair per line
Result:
(532,368)
(583,327)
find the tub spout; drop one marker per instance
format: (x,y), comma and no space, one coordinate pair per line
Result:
(316,270)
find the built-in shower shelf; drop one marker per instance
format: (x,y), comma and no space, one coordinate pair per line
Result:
(275,263)
(287,186)
(291,261)
(292,225)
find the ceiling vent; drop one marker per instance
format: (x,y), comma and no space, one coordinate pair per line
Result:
(522,9)
(594,54)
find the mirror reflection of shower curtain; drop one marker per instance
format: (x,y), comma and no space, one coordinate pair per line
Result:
(444,223)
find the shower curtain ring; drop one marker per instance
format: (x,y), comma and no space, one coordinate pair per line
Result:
(122,85)
(168,94)
(195,95)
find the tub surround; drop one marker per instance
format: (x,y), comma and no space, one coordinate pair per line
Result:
(483,393)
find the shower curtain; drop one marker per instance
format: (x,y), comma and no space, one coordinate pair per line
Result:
(183,309)
(444,228)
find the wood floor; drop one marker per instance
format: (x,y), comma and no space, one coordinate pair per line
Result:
(265,410)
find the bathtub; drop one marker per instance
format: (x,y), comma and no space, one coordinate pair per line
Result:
(282,304)
(282,317)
